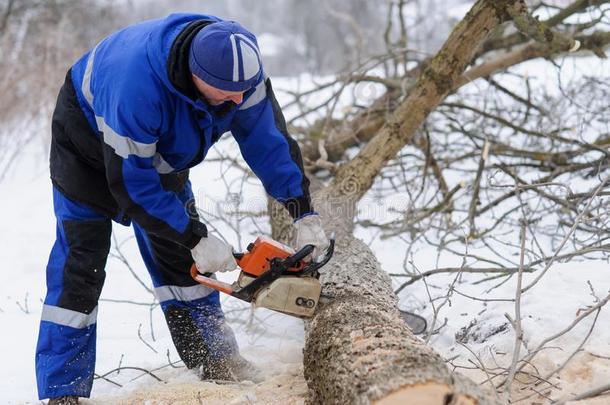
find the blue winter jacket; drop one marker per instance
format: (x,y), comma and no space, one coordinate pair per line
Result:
(135,91)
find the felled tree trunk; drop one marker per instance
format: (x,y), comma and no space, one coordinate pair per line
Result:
(358,349)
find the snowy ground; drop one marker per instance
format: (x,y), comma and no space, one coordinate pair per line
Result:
(131,335)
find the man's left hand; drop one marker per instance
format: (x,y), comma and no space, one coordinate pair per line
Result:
(309,231)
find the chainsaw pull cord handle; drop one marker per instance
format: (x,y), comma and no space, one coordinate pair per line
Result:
(238,256)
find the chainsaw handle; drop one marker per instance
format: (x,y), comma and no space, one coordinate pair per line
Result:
(209,281)
(299,255)
(314,266)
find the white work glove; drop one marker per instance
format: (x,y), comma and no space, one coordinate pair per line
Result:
(309,231)
(212,254)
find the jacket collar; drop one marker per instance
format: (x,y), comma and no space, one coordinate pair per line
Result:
(179,72)
(178,60)
(167,56)
(168,51)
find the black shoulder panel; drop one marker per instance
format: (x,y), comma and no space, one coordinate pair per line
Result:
(297,207)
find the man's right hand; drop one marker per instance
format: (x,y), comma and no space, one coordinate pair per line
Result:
(212,254)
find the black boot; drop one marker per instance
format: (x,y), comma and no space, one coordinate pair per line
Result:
(235,368)
(69,400)
(244,370)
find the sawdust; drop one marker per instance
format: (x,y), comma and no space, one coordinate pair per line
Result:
(288,388)
(586,371)
(583,373)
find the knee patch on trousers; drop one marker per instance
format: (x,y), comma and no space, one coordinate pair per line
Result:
(84,274)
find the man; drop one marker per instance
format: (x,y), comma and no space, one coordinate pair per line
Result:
(134,114)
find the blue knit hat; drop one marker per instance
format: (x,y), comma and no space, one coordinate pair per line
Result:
(225,55)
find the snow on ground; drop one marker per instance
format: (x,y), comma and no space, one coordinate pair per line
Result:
(131,335)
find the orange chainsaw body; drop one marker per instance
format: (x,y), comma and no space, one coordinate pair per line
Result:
(256,260)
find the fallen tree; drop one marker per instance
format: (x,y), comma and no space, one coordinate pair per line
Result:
(358,349)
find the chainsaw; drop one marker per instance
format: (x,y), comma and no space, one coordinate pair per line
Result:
(274,276)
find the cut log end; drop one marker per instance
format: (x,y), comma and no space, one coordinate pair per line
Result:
(430,393)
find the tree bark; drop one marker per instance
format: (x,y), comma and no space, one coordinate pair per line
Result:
(358,349)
